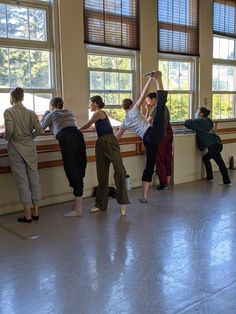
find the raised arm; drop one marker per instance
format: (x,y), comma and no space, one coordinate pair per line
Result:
(143,94)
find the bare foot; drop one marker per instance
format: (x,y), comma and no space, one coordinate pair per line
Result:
(73,213)
(94,210)
(123,210)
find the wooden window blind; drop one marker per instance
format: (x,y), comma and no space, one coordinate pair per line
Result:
(178,26)
(224,18)
(113,23)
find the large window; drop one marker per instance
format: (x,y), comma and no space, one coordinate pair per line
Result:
(26,53)
(112,77)
(224,60)
(178,47)
(178,80)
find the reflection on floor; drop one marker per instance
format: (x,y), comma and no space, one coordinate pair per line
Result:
(176,254)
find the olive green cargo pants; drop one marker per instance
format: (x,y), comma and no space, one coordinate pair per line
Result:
(108,151)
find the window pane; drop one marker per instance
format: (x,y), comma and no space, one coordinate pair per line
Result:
(94,61)
(40,69)
(111,99)
(28,101)
(19,68)
(124,63)
(111,81)
(5,103)
(176,75)
(4,68)
(107,62)
(19,22)
(179,105)
(223,106)
(3,21)
(96,81)
(117,116)
(224,78)
(37,24)
(125,81)
(25,68)
(41,103)
(224,48)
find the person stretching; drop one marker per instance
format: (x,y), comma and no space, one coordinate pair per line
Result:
(107,151)
(150,134)
(203,126)
(63,124)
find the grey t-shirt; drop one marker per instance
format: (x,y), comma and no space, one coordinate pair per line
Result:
(58,119)
(136,122)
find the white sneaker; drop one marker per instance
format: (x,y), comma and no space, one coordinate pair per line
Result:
(225,184)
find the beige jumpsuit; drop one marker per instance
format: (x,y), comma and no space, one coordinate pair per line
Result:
(21,127)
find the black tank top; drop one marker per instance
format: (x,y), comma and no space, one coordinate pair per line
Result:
(103,126)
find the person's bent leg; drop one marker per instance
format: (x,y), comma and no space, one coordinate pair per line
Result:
(151,153)
(74,159)
(206,159)
(216,155)
(113,153)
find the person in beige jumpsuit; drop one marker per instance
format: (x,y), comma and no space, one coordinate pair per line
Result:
(21,127)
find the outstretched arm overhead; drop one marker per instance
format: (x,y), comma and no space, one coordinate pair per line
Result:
(144,94)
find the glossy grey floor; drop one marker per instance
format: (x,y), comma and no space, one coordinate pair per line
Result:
(176,254)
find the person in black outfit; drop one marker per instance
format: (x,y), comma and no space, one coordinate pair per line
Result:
(63,124)
(203,126)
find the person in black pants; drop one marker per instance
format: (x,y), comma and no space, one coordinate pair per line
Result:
(63,124)
(203,126)
(150,134)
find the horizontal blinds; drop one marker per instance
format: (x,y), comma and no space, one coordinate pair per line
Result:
(224,18)
(112,23)
(178,26)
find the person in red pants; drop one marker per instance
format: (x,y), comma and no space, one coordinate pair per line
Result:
(164,157)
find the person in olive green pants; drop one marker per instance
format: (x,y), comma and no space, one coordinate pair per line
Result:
(107,151)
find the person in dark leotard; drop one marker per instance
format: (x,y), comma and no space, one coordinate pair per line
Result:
(107,151)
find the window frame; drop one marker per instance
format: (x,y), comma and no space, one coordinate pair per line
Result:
(115,52)
(223,62)
(194,60)
(51,45)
